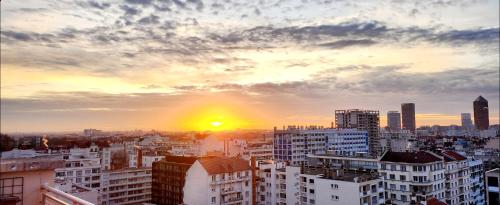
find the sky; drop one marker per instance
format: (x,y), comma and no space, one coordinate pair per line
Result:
(187,64)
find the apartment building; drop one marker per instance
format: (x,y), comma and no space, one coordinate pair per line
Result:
(126,186)
(218,180)
(492,186)
(412,176)
(169,176)
(271,185)
(261,151)
(295,143)
(324,186)
(367,120)
(457,176)
(477,191)
(82,166)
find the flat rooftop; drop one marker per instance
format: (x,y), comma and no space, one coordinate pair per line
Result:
(30,164)
(342,174)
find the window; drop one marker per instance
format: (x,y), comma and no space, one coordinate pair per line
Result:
(392,186)
(382,166)
(335,186)
(311,191)
(213,178)
(213,200)
(311,181)
(393,167)
(403,168)
(402,177)
(392,176)
(402,187)
(403,198)
(335,197)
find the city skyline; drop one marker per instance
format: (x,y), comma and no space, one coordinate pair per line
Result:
(217,65)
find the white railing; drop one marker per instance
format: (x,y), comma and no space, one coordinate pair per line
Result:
(52,196)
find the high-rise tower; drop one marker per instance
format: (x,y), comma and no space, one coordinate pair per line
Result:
(408,116)
(481,113)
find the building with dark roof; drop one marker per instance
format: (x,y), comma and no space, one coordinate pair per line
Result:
(481,113)
(169,176)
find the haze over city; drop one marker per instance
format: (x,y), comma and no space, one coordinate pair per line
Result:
(217,65)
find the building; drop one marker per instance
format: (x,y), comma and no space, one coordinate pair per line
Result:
(82,166)
(492,186)
(359,162)
(324,186)
(367,120)
(218,180)
(261,151)
(169,177)
(295,143)
(397,140)
(481,113)
(466,122)
(31,181)
(408,116)
(394,120)
(413,177)
(477,191)
(271,186)
(457,178)
(126,186)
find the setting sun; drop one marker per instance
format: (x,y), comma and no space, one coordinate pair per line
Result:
(216,124)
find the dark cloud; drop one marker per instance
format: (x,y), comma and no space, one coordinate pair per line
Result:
(130,11)
(94,5)
(348,43)
(141,2)
(151,19)
(478,36)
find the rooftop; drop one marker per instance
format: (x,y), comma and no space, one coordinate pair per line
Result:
(452,156)
(30,164)
(355,176)
(420,157)
(481,99)
(217,165)
(179,159)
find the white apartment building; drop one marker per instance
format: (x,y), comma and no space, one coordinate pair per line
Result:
(82,166)
(217,180)
(126,186)
(317,186)
(397,140)
(295,143)
(477,190)
(457,175)
(412,176)
(261,151)
(147,160)
(271,183)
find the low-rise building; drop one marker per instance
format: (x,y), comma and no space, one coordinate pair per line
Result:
(218,180)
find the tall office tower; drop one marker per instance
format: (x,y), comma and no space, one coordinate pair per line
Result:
(408,115)
(481,118)
(394,120)
(367,120)
(466,121)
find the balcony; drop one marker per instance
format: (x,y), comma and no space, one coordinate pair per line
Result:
(233,199)
(52,196)
(230,190)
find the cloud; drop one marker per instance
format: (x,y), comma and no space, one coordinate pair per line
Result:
(94,5)
(348,43)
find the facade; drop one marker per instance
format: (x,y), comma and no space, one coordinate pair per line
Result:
(82,166)
(261,151)
(394,120)
(21,179)
(412,176)
(218,180)
(169,176)
(477,191)
(126,186)
(271,185)
(397,141)
(492,186)
(457,181)
(367,120)
(481,113)
(466,122)
(295,143)
(314,185)
(408,116)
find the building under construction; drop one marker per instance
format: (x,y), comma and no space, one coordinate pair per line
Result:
(367,120)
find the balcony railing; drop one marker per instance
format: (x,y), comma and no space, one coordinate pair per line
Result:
(52,196)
